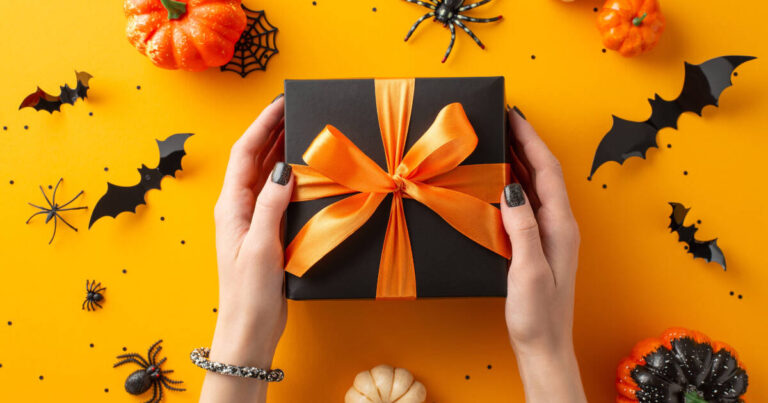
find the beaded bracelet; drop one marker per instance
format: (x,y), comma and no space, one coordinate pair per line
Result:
(199,357)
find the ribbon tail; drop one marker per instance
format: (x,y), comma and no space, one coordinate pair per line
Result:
(312,185)
(483,181)
(327,229)
(397,274)
(476,219)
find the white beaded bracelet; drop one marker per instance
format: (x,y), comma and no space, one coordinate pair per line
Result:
(199,357)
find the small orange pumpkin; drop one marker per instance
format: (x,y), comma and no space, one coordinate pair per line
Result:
(630,27)
(189,34)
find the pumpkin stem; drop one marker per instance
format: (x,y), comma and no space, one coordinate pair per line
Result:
(176,9)
(692,396)
(637,21)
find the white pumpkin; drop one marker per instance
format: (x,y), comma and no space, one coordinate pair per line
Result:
(384,384)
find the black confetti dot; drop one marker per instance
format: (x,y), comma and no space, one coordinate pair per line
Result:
(736,73)
(589,178)
(91,345)
(10,323)
(594,9)
(26,127)
(11,182)
(698,221)
(215,310)
(125,271)
(5,127)
(740,296)
(138,87)
(162,218)
(106,390)
(1,365)
(106,169)
(731,292)
(466,377)
(50,187)
(685,247)
(374,9)
(669,145)
(40,377)
(685,172)
(604,50)
(125,348)
(533,57)
(90,113)
(314,3)
(605,186)
(183,242)
(490,366)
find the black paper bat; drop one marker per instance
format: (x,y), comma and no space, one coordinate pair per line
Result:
(704,249)
(41,100)
(703,85)
(119,198)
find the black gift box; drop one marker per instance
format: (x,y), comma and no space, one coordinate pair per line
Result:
(448,264)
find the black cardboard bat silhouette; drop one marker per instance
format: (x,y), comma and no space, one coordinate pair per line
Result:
(699,249)
(119,198)
(41,100)
(703,85)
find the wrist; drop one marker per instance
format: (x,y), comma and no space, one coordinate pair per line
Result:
(550,373)
(243,344)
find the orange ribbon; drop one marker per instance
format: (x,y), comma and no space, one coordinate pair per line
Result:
(429,173)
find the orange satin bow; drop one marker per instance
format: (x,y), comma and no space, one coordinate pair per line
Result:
(429,173)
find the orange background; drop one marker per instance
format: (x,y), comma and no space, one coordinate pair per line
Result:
(635,279)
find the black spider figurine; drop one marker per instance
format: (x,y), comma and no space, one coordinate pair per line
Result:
(150,374)
(448,12)
(53,211)
(93,296)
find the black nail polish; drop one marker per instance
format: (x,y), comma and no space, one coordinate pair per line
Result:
(281,174)
(513,195)
(277,97)
(519,112)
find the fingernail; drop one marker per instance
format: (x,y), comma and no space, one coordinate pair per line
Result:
(277,97)
(513,195)
(519,112)
(281,174)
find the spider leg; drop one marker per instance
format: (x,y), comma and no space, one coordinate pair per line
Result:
(159,387)
(159,363)
(65,222)
(73,199)
(149,352)
(46,197)
(88,285)
(469,32)
(450,45)
(72,208)
(135,356)
(85,302)
(419,21)
(127,360)
(90,305)
(473,5)
(154,394)
(100,289)
(33,215)
(97,304)
(165,380)
(41,208)
(473,19)
(53,197)
(54,228)
(423,4)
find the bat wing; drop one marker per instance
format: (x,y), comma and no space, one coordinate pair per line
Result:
(625,139)
(41,100)
(704,83)
(707,250)
(118,199)
(171,153)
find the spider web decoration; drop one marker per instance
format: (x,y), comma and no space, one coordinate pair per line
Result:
(257,44)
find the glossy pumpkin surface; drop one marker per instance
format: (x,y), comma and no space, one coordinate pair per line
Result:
(630,27)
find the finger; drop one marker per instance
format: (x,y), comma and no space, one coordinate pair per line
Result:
(242,170)
(276,152)
(270,206)
(521,226)
(545,168)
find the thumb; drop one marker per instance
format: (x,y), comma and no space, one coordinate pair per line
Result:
(521,225)
(270,205)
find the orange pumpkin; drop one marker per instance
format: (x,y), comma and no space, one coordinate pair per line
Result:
(681,366)
(630,27)
(189,34)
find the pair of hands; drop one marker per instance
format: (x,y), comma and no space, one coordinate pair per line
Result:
(252,306)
